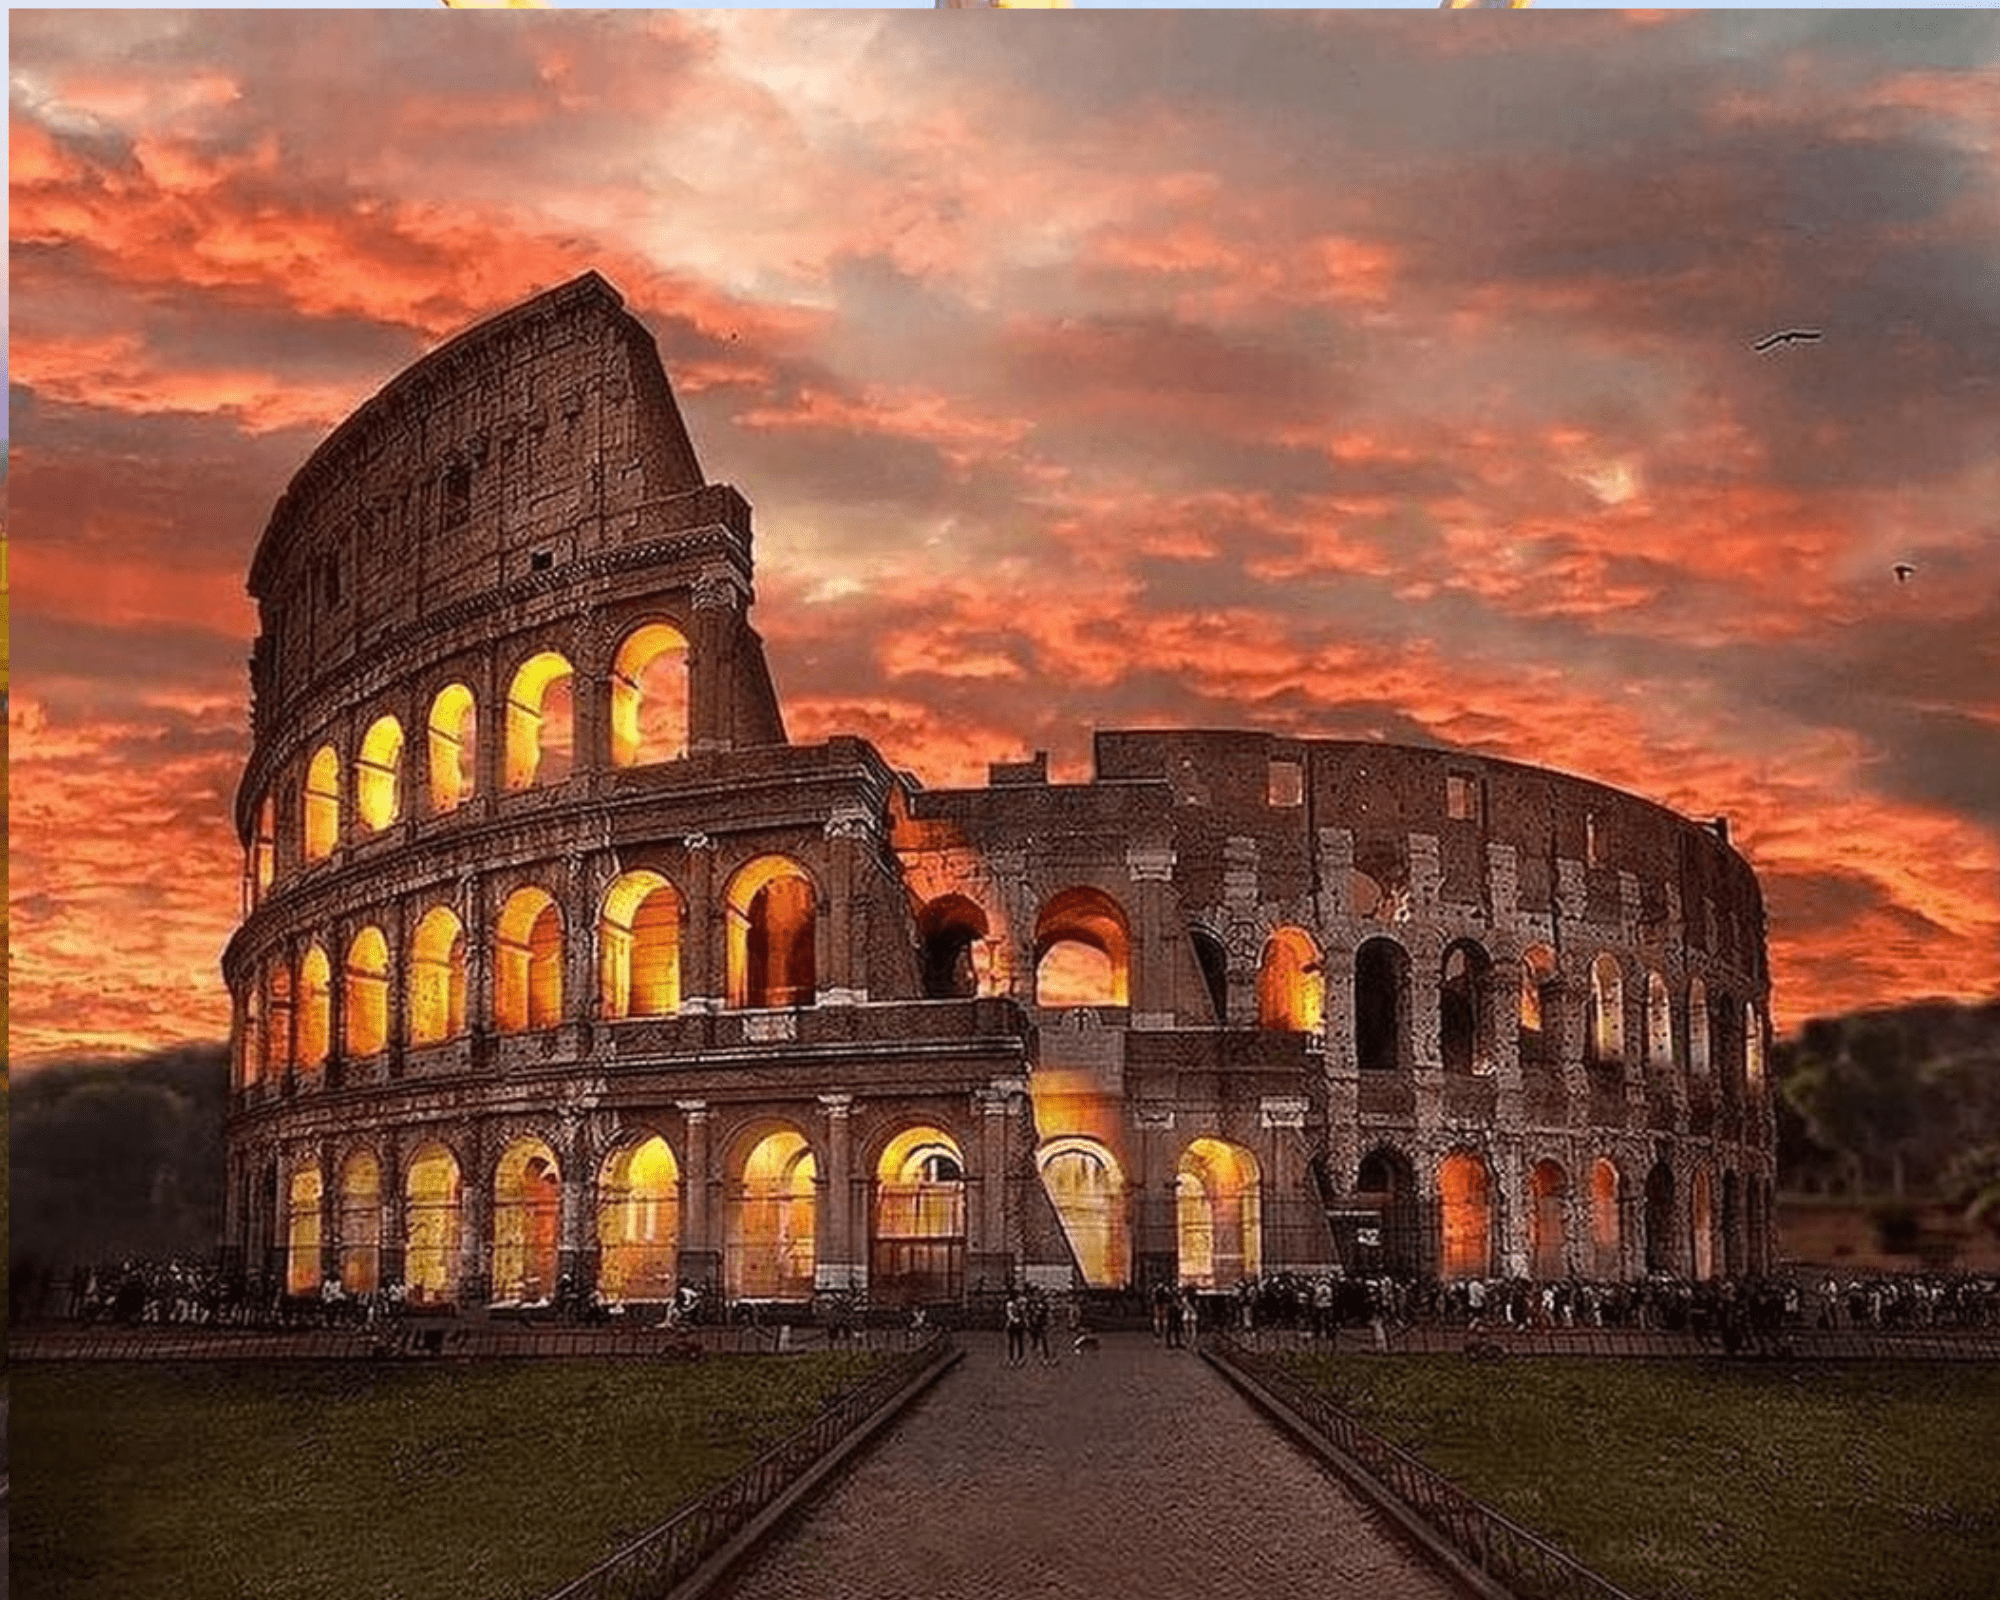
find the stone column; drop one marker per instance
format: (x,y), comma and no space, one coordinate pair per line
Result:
(840,956)
(573,1238)
(700,1250)
(834,1264)
(1150,988)
(703,982)
(1293,1236)
(987,1257)
(475,1224)
(715,625)
(1244,939)
(479,922)
(1155,1186)
(390,1234)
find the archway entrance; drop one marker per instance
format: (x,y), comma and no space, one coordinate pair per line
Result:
(1088,1193)
(772,1224)
(1218,1212)
(917,1236)
(638,1222)
(1548,1197)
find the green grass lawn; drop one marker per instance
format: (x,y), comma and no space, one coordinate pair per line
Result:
(1719,1482)
(288,1480)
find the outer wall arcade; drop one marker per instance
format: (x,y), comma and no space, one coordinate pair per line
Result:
(558,958)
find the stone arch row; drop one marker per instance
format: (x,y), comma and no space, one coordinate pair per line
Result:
(1601,1229)
(295,1014)
(343,796)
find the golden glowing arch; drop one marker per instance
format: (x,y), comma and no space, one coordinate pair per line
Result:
(431,1195)
(773,1223)
(322,813)
(453,732)
(527,969)
(1087,1188)
(540,721)
(1219,1213)
(315,1001)
(1465,1193)
(649,696)
(378,774)
(1291,983)
(772,959)
(360,1223)
(367,1006)
(527,1206)
(638,1222)
(303,1232)
(1082,950)
(437,978)
(639,943)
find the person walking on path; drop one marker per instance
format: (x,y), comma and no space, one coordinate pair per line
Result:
(1038,1329)
(1174,1315)
(1017,1331)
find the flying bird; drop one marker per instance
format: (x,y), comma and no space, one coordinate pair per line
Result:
(1789,336)
(1904,571)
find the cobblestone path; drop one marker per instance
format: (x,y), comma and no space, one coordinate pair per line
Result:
(1128,1473)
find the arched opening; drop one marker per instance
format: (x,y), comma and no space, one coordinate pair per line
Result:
(1753,1046)
(1465,1202)
(649,697)
(367,1008)
(302,1233)
(953,929)
(1087,1190)
(1606,1042)
(638,1222)
(1387,1184)
(917,1251)
(639,948)
(527,1203)
(315,1008)
(1220,1215)
(1606,1244)
(1211,956)
(528,961)
(1698,1056)
(1541,1006)
(277,1019)
(772,915)
(454,748)
(322,815)
(250,1045)
(430,1227)
(1660,1252)
(540,722)
(1082,950)
(1465,1021)
(1703,1225)
(1548,1199)
(264,852)
(378,774)
(1381,1006)
(772,1229)
(1659,1025)
(1291,984)
(361,1224)
(437,978)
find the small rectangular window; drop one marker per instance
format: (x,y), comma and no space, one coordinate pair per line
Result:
(541,560)
(1593,840)
(1288,785)
(1461,797)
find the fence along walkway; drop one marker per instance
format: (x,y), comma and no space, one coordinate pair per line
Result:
(1129,1470)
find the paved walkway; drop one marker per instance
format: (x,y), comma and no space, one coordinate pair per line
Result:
(1128,1471)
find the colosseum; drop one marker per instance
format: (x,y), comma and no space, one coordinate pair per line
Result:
(558,958)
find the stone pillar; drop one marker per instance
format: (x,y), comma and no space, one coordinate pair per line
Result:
(392,1228)
(987,1256)
(1513,1218)
(475,1224)
(715,627)
(479,921)
(1294,1236)
(703,981)
(834,1265)
(1150,988)
(1244,940)
(840,933)
(573,1237)
(1155,1187)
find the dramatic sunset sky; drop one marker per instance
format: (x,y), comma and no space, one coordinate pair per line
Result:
(1382,375)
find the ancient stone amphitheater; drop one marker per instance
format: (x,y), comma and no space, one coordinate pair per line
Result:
(557,958)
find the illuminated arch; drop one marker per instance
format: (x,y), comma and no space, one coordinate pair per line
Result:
(250,1042)
(1541,1005)
(1465,1009)
(1219,1214)
(638,1222)
(1606,1232)
(1087,1189)
(1548,1202)
(277,1019)
(1753,1045)
(367,1008)
(917,1228)
(1659,1025)
(361,1223)
(1082,950)
(1465,1195)
(772,1224)
(437,978)
(956,961)
(528,961)
(1291,983)
(527,1203)
(1607,1012)
(772,913)
(649,697)
(1381,1005)
(639,947)
(1699,1063)
(264,851)
(430,1226)
(454,748)
(315,1007)
(322,812)
(378,774)
(541,731)
(303,1231)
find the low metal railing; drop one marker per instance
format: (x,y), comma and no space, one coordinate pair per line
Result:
(1520,1561)
(651,1565)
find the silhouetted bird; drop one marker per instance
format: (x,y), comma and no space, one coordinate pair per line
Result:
(1789,336)
(1904,572)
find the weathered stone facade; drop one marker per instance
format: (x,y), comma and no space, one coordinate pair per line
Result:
(505,926)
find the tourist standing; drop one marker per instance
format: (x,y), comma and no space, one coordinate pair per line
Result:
(1017,1330)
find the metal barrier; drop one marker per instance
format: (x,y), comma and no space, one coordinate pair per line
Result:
(654,1563)
(1522,1562)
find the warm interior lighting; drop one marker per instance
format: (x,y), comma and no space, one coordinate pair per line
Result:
(315,1008)
(437,978)
(360,1223)
(771,957)
(1659,1023)
(1604,1228)
(1087,1190)
(1219,1214)
(649,697)
(1082,951)
(454,727)
(430,1226)
(277,1019)
(322,804)
(527,1200)
(1465,1192)
(378,774)
(1703,1223)
(638,1222)
(919,1223)
(638,938)
(1291,985)
(1548,1191)
(1607,1011)
(1753,1045)
(1698,1058)
(540,730)
(367,993)
(771,1253)
(527,970)
(302,1233)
